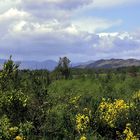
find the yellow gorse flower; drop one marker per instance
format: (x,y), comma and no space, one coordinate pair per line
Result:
(110,111)
(18,138)
(83,138)
(74,100)
(82,122)
(129,134)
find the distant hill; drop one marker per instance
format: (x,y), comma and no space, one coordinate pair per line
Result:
(103,63)
(32,65)
(81,64)
(111,63)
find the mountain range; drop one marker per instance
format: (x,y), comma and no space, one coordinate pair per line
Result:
(111,63)
(32,65)
(102,63)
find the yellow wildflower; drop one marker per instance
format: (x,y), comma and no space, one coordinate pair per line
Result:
(83,138)
(18,138)
(110,111)
(129,134)
(82,122)
(74,100)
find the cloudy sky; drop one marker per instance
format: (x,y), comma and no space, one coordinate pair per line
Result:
(79,29)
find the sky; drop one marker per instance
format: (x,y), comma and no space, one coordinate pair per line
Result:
(82,30)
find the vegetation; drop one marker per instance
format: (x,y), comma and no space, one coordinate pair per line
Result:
(69,104)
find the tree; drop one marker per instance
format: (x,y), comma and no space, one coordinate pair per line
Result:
(9,75)
(63,68)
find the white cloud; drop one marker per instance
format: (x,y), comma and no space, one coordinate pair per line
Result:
(121,35)
(9,19)
(93,25)
(50,26)
(13,13)
(7,4)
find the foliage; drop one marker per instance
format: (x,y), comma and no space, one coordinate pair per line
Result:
(63,70)
(9,75)
(109,111)
(69,104)
(128,133)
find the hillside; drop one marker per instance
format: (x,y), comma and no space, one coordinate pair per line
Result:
(111,63)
